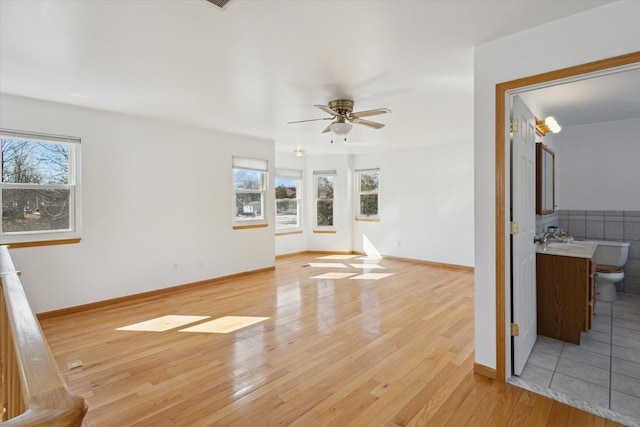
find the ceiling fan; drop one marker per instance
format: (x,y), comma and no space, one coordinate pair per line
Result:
(341,110)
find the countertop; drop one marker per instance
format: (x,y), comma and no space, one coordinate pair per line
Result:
(572,249)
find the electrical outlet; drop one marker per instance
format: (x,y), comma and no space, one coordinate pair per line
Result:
(174,266)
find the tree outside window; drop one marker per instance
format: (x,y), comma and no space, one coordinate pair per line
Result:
(367,182)
(38,189)
(324,200)
(249,189)
(288,200)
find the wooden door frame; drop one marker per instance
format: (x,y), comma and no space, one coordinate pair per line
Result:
(500,177)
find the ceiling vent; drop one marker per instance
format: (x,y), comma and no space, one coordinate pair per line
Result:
(219,3)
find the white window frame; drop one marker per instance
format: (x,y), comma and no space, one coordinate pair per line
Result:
(296,175)
(316,177)
(359,192)
(255,165)
(60,236)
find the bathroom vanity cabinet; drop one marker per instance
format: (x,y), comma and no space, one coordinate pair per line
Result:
(565,296)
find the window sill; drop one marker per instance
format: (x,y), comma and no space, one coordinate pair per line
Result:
(245,227)
(286,233)
(364,219)
(42,243)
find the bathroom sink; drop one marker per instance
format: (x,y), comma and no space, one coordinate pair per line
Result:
(567,246)
(572,248)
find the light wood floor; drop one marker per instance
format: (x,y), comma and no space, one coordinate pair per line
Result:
(391,352)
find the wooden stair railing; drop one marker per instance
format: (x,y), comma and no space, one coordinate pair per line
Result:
(33,390)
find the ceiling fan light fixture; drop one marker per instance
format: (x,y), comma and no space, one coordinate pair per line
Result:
(341,128)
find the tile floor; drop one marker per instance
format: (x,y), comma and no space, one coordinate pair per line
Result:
(604,370)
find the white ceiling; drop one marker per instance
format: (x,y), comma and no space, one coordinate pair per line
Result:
(256,65)
(602,98)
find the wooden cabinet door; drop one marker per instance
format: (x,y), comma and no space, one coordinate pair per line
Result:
(563,304)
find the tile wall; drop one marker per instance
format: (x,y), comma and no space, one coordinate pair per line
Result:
(621,226)
(544,221)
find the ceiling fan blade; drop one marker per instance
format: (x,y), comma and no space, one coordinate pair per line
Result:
(311,120)
(369,123)
(370,112)
(327,110)
(327,129)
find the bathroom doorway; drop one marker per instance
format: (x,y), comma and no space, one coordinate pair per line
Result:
(527,92)
(536,96)
(504,92)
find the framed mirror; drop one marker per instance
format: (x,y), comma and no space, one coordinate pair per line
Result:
(545,180)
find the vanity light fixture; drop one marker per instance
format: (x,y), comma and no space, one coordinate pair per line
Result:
(299,152)
(548,125)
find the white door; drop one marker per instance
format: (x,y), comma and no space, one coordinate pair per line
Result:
(523,250)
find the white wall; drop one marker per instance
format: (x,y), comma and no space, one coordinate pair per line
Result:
(426,204)
(599,166)
(294,243)
(600,33)
(154,193)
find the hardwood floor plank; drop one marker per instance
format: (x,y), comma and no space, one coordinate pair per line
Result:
(452,403)
(522,410)
(399,381)
(465,412)
(492,400)
(505,405)
(439,398)
(560,415)
(391,352)
(540,412)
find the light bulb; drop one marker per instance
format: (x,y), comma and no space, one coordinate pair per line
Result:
(553,124)
(341,128)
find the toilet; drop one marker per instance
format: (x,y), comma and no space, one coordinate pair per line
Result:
(609,257)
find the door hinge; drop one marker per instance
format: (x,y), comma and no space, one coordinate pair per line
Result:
(515,330)
(513,126)
(514,227)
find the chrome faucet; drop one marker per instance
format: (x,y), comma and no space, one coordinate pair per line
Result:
(544,238)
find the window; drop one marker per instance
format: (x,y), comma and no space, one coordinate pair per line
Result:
(40,189)
(288,197)
(324,190)
(249,184)
(367,183)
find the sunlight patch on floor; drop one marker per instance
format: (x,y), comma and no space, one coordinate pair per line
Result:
(163,323)
(371,276)
(226,324)
(328,264)
(334,275)
(362,263)
(366,266)
(338,256)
